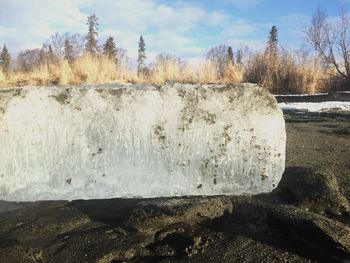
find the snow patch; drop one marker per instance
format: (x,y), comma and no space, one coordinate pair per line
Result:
(327,106)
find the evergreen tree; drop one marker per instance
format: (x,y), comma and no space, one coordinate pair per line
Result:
(6,59)
(68,50)
(141,57)
(239,58)
(109,48)
(91,44)
(272,48)
(229,56)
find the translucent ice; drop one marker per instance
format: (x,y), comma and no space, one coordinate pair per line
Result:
(139,141)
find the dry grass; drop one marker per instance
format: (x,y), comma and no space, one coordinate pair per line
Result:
(285,74)
(85,69)
(2,77)
(171,70)
(207,73)
(89,69)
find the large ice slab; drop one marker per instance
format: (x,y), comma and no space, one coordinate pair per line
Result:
(139,141)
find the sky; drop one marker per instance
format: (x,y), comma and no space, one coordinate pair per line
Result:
(186,28)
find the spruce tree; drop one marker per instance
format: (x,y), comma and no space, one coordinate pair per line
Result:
(141,57)
(6,59)
(68,50)
(229,56)
(109,48)
(91,44)
(272,48)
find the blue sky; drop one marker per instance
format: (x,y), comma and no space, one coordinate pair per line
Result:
(185,28)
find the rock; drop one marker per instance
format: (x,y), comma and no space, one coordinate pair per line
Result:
(98,142)
(315,189)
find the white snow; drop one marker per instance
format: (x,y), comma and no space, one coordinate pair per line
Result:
(300,95)
(328,106)
(139,141)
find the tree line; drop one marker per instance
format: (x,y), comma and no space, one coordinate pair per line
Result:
(331,45)
(69,47)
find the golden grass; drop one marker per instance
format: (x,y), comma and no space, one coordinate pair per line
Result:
(171,70)
(233,74)
(93,70)
(207,73)
(286,74)
(2,77)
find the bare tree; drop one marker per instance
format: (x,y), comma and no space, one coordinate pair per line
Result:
(166,60)
(122,56)
(218,56)
(47,56)
(78,43)
(28,59)
(57,43)
(331,41)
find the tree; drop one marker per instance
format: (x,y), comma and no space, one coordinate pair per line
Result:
(109,48)
(91,46)
(272,48)
(51,53)
(141,68)
(6,59)
(218,57)
(55,44)
(122,60)
(229,56)
(28,59)
(43,55)
(315,33)
(239,57)
(68,50)
(169,67)
(47,56)
(331,41)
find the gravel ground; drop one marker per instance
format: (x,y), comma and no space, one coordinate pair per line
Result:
(306,219)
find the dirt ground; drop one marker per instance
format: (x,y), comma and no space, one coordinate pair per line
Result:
(306,219)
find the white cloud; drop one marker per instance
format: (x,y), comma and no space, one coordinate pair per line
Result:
(181,28)
(27,24)
(217,18)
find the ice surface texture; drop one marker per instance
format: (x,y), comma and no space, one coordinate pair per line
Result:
(139,141)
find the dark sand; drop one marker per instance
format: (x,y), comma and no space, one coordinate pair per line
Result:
(306,219)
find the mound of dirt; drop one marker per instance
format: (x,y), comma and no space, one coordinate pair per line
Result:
(316,190)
